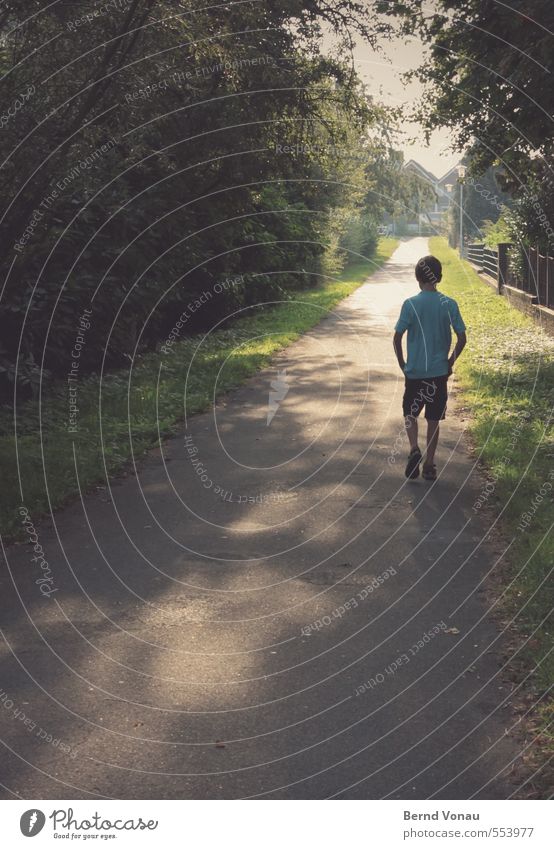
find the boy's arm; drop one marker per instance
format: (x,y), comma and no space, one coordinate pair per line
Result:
(459,328)
(397,344)
(460,345)
(402,325)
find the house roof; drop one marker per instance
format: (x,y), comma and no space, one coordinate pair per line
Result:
(451,173)
(413,165)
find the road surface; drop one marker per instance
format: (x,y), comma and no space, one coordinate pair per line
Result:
(268,610)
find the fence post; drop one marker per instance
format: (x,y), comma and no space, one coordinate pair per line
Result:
(481,257)
(502,274)
(537,275)
(529,264)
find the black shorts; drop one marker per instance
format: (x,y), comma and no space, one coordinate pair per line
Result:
(428,392)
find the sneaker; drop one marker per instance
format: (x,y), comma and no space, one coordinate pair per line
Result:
(429,472)
(412,467)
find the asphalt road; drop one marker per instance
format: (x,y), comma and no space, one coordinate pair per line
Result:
(268,610)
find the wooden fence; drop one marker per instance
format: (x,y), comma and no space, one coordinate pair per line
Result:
(537,279)
(540,277)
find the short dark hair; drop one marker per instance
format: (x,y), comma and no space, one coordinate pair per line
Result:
(428,270)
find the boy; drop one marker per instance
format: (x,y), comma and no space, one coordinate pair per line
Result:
(428,318)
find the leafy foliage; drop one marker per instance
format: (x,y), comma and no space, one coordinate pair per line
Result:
(159,150)
(487,72)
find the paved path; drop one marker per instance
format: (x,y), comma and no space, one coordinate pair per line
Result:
(191,612)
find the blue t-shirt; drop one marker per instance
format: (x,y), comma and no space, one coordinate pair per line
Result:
(428,318)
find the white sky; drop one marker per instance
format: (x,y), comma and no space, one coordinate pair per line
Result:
(381,72)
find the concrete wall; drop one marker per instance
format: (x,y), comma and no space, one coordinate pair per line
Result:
(528,304)
(524,302)
(545,317)
(521,300)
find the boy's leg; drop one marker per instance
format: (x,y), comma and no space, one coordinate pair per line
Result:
(412,404)
(432,441)
(435,410)
(411,430)
(411,407)
(414,458)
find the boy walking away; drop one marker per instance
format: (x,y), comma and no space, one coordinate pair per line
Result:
(428,317)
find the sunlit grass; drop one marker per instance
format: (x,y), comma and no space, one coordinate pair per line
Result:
(507,377)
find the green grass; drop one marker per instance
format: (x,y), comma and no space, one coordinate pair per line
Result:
(507,379)
(136,409)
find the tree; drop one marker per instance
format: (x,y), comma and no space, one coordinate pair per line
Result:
(143,162)
(487,73)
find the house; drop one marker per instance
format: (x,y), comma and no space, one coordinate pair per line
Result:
(443,198)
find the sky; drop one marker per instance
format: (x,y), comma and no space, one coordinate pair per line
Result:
(381,73)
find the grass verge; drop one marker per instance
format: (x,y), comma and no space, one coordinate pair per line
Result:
(507,379)
(43,471)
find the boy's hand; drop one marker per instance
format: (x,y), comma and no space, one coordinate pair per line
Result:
(460,345)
